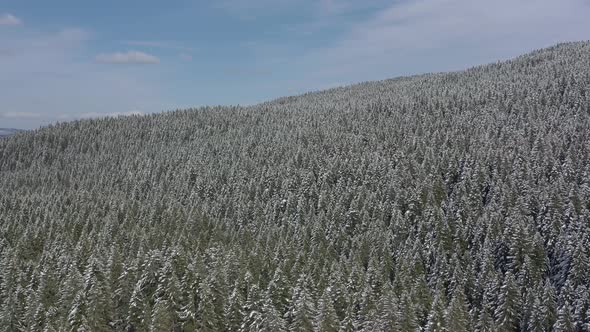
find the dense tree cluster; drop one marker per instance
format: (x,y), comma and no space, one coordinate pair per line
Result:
(440,202)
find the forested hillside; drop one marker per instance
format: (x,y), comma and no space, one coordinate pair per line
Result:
(440,202)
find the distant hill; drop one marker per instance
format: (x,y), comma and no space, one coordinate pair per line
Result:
(8,131)
(440,202)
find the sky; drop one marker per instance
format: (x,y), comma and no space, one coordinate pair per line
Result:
(62,60)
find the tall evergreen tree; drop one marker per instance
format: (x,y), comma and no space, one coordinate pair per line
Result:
(507,311)
(436,318)
(564,322)
(301,311)
(326,319)
(457,318)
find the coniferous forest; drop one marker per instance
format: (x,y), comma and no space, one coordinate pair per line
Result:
(440,202)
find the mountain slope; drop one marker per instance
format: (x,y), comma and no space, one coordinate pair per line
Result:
(382,205)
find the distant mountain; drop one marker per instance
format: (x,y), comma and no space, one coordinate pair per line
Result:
(8,131)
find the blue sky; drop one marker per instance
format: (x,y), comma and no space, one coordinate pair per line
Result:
(62,60)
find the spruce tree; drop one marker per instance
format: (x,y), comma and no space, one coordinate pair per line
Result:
(564,322)
(457,318)
(301,311)
(436,318)
(326,319)
(507,311)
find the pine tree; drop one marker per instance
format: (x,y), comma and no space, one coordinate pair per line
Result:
(436,317)
(301,311)
(232,314)
(124,286)
(421,293)
(326,319)
(338,292)
(34,308)
(188,302)
(536,319)
(457,318)
(580,269)
(271,320)
(139,311)
(77,317)
(580,307)
(207,317)
(407,317)
(347,324)
(389,315)
(98,298)
(252,310)
(162,319)
(564,321)
(507,312)
(279,292)
(367,316)
(485,320)
(549,306)
(167,299)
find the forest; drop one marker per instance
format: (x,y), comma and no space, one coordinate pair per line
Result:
(452,201)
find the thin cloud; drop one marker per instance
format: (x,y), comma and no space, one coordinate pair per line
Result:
(44,80)
(9,19)
(131,57)
(335,7)
(247,72)
(252,9)
(20,115)
(74,35)
(94,115)
(158,44)
(186,57)
(108,115)
(439,35)
(7,52)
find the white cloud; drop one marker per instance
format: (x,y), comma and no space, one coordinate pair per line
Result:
(135,112)
(63,116)
(9,19)
(6,52)
(186,57)
(438,35)
(74,35)
(131,57)
(252,9)
(109,115)
(170,45)
(338,7)
(46,77)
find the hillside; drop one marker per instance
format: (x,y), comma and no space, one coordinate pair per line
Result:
(456,200)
